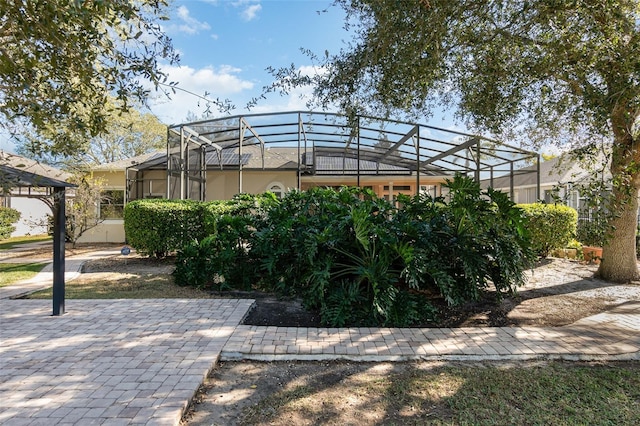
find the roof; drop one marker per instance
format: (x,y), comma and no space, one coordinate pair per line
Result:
(130,162)
(19,172)
(558,170)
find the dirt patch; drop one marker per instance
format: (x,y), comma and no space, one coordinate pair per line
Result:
(131,264)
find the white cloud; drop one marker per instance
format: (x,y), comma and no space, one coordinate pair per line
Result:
(297,99)
(250,12)
(185,23)
(221,82)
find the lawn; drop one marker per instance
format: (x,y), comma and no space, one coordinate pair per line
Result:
(11,273)
(12,242)
(124,286)
(506,393)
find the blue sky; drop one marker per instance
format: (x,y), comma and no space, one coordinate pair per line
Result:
(226,45)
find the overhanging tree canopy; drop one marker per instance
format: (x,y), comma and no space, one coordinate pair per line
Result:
(61,60)
(538,70)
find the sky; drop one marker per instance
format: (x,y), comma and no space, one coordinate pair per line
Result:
(225,47)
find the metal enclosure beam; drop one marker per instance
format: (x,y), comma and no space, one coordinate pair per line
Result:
(449,152)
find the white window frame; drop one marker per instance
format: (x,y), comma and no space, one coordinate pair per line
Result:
(280,191)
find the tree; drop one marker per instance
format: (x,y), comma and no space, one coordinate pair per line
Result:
(551,70)
(127,134)
(60,60)
(81,206)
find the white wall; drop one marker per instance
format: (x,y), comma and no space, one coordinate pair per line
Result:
(32,211)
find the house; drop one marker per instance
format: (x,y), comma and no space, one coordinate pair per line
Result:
(218,158)
(559,179)
(33,203)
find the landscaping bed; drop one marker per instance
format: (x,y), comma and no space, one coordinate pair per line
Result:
(558,292)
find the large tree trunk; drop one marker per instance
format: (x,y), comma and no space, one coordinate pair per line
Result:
(619,262)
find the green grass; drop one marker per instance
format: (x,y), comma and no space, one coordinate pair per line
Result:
(556,393)
(124,286)
(16,241)
(11,273)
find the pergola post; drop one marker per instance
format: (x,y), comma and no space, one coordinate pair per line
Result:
(240,142)
(538,195)
(58,250)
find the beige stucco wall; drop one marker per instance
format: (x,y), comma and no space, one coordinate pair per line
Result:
(112,179)
(109,231)
(223,185)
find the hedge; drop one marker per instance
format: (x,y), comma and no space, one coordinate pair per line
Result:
(158,227)
(551,226)
(8,217)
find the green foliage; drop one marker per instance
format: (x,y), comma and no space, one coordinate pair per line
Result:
(356,258)
(527,71)
(8,217)
(362,261)
(551,226)
(592,232)
(62,60)
(158,227)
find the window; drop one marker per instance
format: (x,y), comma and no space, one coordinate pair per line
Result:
(277,188)
(398,187)
(112,204)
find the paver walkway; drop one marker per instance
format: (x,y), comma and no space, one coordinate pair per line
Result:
(121,362)
(108,362)
(614,335)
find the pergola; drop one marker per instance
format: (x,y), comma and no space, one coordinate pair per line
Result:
(328,144)
(20,177)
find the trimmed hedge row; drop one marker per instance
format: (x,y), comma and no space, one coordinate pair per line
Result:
(157,227)
(551,226)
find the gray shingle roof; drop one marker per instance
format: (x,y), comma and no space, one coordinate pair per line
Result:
(17,171)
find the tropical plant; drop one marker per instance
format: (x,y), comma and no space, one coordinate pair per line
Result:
(359,259)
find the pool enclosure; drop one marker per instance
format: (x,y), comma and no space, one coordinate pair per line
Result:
(213,158)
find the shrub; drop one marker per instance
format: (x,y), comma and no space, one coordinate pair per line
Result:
(551,226)
(357,258)
(158,227)
(8,217)
(361,261)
